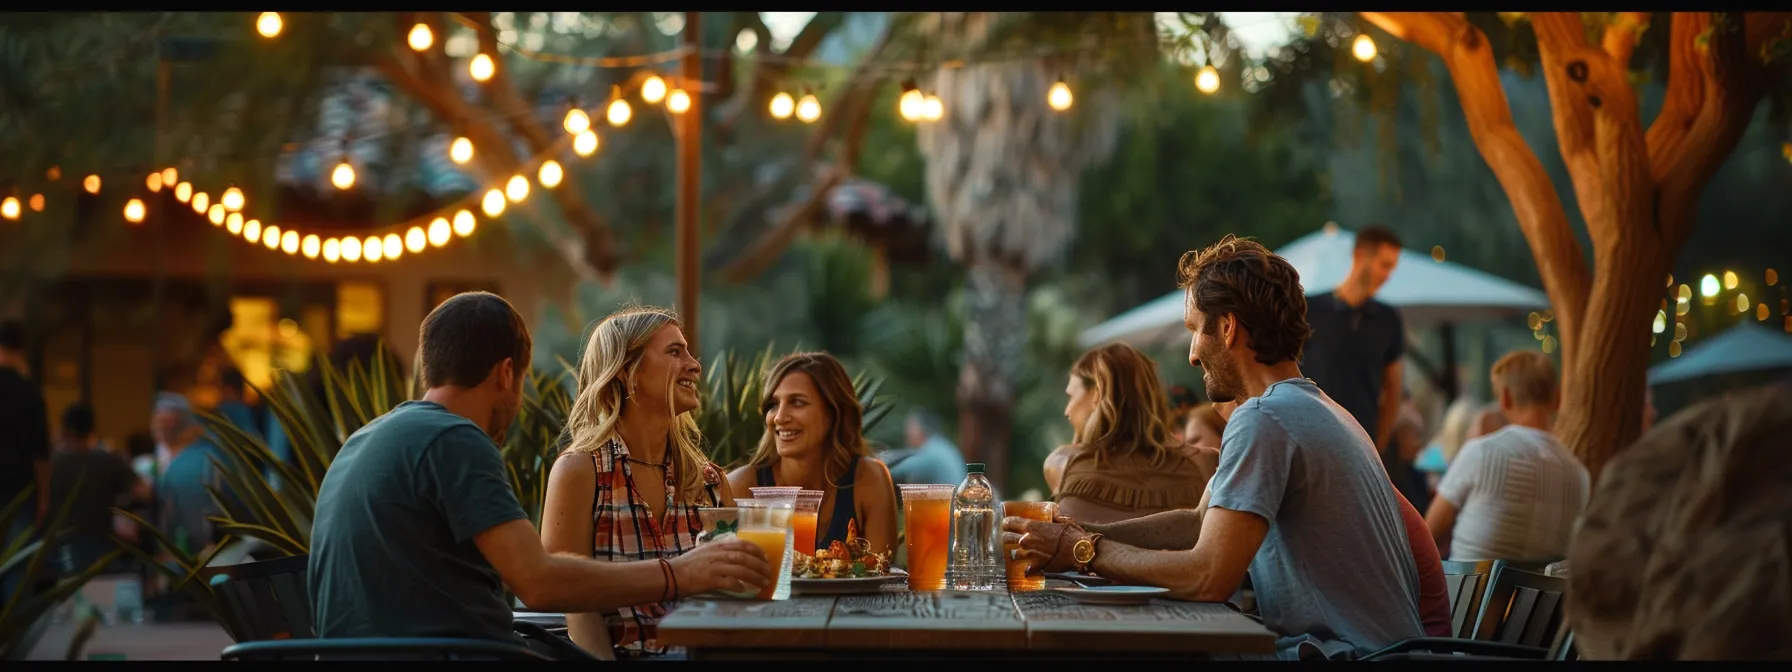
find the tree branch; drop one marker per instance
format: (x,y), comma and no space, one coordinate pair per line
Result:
(1597,128)
(1622,34)
(1466,52)
(767,72)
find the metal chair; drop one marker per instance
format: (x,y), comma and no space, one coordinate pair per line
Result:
(1519,616)
(264,600)
(1467,583)
(381,648)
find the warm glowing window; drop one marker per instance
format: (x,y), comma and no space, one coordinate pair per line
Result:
(360,309)
(260,340)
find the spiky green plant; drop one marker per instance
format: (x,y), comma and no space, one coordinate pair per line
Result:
(22,618)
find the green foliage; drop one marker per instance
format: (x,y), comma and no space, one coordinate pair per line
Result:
(22,617)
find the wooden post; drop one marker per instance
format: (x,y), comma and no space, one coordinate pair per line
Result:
(690,148)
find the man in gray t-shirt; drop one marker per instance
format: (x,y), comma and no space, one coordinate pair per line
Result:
(1300,501)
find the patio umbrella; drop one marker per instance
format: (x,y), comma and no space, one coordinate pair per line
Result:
(1744,347)
(1427,292)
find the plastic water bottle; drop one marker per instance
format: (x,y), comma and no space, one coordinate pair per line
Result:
(975,559)
(127,601)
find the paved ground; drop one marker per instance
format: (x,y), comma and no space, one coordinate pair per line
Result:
(125,641)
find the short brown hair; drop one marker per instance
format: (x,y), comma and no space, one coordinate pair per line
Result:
(1374,236)
(1528,374)
(1240,277)
(462,339)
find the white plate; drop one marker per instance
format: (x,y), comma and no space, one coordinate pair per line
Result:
(1085,579)
(867,584)
(1114,595)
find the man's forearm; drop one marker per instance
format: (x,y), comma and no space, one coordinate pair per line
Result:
(1184,575)
(571,583)
(1176,530)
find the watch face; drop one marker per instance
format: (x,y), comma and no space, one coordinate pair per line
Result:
(1084,551)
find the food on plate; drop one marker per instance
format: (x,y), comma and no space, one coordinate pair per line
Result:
(852,559)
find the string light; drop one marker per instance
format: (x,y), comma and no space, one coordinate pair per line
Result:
(289,242)
(934,109)
(269,24)
(493,203)
(678,102)
(653,90)
(516,189)
(1207,80)
(252,230)
(234,223)
(464,222)
(37,205)
(232,199)
(394,248)
(585,144)
(782,105)
(154,182)
(481,68)
(912,105)
(1730,280)
(1059,97)
(9,208)
(133,210)
(550,174)
(270,237)
(200,201)
(332,250)
(310,246)
(54,173)
(373,250)
(343,176)
(91,183)
(576,121)
(415,241)
(461,150)
(438,232)
(420,37)
(619,112)
(216,213)
(1363,48)
(183,192)
(351,249)
(808,109)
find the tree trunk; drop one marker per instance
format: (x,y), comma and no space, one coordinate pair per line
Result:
(995,338)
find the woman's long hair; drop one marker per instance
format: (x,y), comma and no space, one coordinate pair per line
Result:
(1131,411)
(846,418)
(611,356)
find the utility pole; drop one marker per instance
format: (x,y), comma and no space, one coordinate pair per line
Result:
(690,154)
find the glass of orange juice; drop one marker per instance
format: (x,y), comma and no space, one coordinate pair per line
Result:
(1018,581)
(766,523)
(927,527)
(808,507)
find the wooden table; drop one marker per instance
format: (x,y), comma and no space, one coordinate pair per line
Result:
(958,625)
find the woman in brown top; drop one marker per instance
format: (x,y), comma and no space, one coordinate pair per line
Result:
(1124,462)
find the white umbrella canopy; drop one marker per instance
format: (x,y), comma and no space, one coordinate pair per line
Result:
(1744,347)
(1426,291)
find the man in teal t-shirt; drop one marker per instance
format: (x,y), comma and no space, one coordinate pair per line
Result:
(418,531)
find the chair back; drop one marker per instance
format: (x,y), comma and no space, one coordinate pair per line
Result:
(381,648)
(1563,650)
(1467,582)
(1522,607)
(264,600)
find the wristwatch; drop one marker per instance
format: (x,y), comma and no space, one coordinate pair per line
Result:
(1084,552)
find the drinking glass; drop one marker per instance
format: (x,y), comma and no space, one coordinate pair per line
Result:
(766,524)
(1018,581)
(718,520)
(808,507)
(927,526)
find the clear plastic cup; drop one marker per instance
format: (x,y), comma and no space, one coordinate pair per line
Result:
(927,531)
(808,508)
(766,523)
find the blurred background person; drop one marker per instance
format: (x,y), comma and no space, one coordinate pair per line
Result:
(930,457)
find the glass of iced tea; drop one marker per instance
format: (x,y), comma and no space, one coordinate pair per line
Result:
(766,524)
(927,527)
(808,507)
(1018,581)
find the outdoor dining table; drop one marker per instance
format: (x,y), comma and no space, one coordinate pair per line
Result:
(897,623)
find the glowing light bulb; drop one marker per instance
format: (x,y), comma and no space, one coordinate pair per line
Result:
(252,230)
(37,205)
(9,208)
(808,109)
(343,176)
(393,247)
(373,249)
(619,112)
(310,246)
(269,24)
(933,110)
(133,210)
(170,175)
(482,67)
(783,105)
(585,144)
(415,240)
(1208,80)
(912,105)
(461,150)
(517,188)
(351,249)
(183,192)
(438,231)
(332,250)
(270,237)
(1708,286)
(216,213)
(550,174)
(232,199)
(653,90)
(1363,48)
(1661,322)
(464,223)
(91,183)
(493,203)
(234,223)
(576,121)
(679,102)
(200,201)
(289,242)
(1059,96)
(154,182)
(1730,280)
(420,38)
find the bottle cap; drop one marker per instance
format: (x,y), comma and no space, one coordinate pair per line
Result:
(973,468)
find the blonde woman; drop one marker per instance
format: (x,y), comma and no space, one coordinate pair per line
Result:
(814,439)
(1125,462)
(631,480)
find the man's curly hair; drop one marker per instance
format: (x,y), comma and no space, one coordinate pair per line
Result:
(1241,277)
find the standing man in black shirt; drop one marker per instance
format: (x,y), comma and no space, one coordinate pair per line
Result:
(1355,352)
(24,442)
